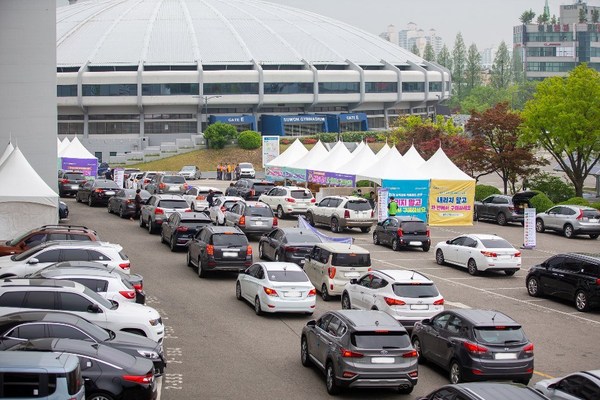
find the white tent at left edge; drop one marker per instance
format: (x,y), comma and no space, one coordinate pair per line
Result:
(26,201)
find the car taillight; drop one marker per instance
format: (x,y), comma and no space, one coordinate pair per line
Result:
(128,294)
(518,254)
(129,201)
(187,210)
(210,249)
(162,186)
(580,216)
(410,354)
(99,190)
(346,213)
(291,249)
(65,181)
(393,302)
(249,250)
(528,349)
(138,286)
(275,223)
(124,265)
(143,379)
(158,210)
(312,292)
(350,353)
(475,348)
(489,254)
(223,208)
(182,229)
(146,180)
(331,272)
(372,213)
(290,200)
(400,232)
(428,233)
(439,302)
(313,200)
(270,292)
(242,220)
(598,282)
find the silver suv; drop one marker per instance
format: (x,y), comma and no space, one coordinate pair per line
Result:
(252,217)
(340,212)
(571,220)
(360,349)
(158,209)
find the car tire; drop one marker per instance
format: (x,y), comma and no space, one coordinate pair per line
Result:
(150,227)
(346,304)
(304,354)
(501,219)
(98,396)
(539,226)
(310,219)
(582,301)
(261,251)
(365,229)
(201,271)
(416,342)
(594,236)
(324,293)
(426,248)
(405,390)
(90,201)
(375,238)
(533,287)
(472,267)
(142,223)
(189,260)
(257,306)
(439,257)
(238,291)
(330,383)
(395,244)
(568,231)
(280,213)
(510,272)
(172,244)
(121,212)
(455,372)
(335,225)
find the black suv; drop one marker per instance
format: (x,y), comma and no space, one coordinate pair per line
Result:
(399,232)
(69,182)
(181,227)
(249,189)
(571,276)
(223,248)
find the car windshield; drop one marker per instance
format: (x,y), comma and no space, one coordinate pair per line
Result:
(287,276)
(173,179)
(380,340)
(99,299)
(301,194)
(417,291)
(195,223)
(26,254)
(302,238)
(229,240)
(351,260)
(500,334)
(259,211)
(358,205)
(245,165)
(189,168)
(229,204)
(496,244)
(18,238)
(94,330)
(173,204)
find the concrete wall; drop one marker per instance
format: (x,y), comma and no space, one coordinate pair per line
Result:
(28,82)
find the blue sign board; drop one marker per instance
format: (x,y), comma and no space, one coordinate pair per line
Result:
(412,196)
(234,120)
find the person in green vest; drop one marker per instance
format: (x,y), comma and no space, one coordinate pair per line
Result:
(392,207)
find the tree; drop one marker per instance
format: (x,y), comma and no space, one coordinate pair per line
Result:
(582,15)
(501,69)
(498,130)
(415,49)
(553,20)
(473,68)
(429,53)
(527,17)
(483,97)
(250,140)
(459,59)
(218,134)
(564,118)
(517,65)
(595,15)
(444,58)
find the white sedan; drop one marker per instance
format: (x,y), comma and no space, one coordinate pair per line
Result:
(276,287)
(479,253)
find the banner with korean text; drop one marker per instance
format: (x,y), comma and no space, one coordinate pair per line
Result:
(411,196)
(330,178)
(451,203)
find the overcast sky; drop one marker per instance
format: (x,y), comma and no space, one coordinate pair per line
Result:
(483,22)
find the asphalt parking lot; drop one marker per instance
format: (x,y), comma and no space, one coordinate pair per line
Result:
(219,349)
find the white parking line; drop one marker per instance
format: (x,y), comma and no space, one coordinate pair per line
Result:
(504,288)
(456,304)
(159,387)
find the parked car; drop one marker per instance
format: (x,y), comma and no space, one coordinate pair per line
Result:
(244,170)
(146,179)
(61,295)
(196,197)
(503,208)
(69,182)
(287,244)
(401,232)
(158,208)
(106,371)
(132,181)
(341,212)
(408,296)
(360,349)
(102,168)
(475,345)
(26,325)
(219,248)
(181,227)
(571,276)
(484,391)
(123,203)
(47,253)
(63,210)
(288,200)
(479,252)
(330,266)
(46,233)
(249,189)
(128,171)
(96,192)
(571,220)
(163,183)
(252,217)
(190,172)
(276,287)
(221,206)
(583,385)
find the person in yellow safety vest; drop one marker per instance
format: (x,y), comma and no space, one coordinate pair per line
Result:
(229,170)
(392,207)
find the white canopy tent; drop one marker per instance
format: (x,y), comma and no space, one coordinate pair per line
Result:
(26,201)
(9,149)
(391,166)
(76,150)
(292,154)
(439,166)
(383,151)
(63,145)
(413,157)
(313,159)
(338,155)
(77,158)
(360,160)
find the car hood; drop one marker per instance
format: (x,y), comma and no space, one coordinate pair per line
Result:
(134,310)
(133,342)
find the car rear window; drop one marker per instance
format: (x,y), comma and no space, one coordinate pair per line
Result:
(301,194)
(193,223)
(500,334)
(287,276)
(591,214)
(107,185)
(380,340)
(259,211)
(173,179)
(235,239)
(351,260)
(358,205)
(262,187)
(413,226)
(417,291)
(75,176)
(302,238)
(173,204)
(228,204)
(496,244)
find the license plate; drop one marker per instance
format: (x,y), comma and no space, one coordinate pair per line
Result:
(230,254)
(594,220)
(352,274)
(503,257)
(292,294)
(302,261)
(382,360)
(419,307)
(414,243)
(74,186)
(258,223)
(109,193)
(505,356)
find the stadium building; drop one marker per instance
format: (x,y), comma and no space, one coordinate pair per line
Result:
(134,73)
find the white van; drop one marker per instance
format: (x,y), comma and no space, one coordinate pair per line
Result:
(330,266)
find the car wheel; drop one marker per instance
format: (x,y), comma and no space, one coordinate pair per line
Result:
(539,226)
(121,212)
(142,223)
(568,231)
(439,257)
(98,396)
(90,201)
(405,390)
(594,236)
(280,213)
(189,260)
(416,342)
(396,244)
(261,251)
(238,291)
(330,383)
(346,305)
(375,238)
(324,293)
(150,227)
(304,356)
(310,219)
(582,302)
(472,267)
(365,229)
(426,248)
(201,271)
(510,272)
(257,308)
(335,225)
(501,219)
(455,372)
(533,287)
(77,199)
(172,244)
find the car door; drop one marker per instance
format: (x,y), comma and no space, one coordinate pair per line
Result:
(313,338)
(311,265)
(40,300)
(248,282)
(390,227)
(268,198)
(320,210)
(86,190)
(147,209)
(549,279)
(431,339)
(170,226)
(452,249)
(569,275)
(79,305)
(451,335)
(44,258)
(328,338)
(465,251)
(277,241)
(552,218)
(269,244)
(359,290)
(232,217)
(484,209)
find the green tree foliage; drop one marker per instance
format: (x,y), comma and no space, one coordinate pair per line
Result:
(415,50)
(459,64)
(501,68)
(577,201)
(527,17)
(582,16)
(596,205)
(250,140)
(595,15)
(483,191)
(429,53)
(483,97)
(564,118)
(541,202)
(218,134)
(473,68)
(553,20)
(517,66)
(554,187)
(444,58)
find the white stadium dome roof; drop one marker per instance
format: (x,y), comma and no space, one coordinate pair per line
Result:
(188,32)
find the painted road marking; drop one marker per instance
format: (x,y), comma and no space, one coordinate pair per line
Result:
(456,304)
(158,387)
(543,375)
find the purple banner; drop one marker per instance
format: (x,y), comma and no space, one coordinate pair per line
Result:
(331,178)
(274,174)
(89,167)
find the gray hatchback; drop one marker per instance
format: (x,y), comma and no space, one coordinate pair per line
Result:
(359,348)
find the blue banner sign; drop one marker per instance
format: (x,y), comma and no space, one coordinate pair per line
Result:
(303,119)
(412,197)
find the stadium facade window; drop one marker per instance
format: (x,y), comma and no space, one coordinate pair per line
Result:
(413,87)
(288,88)
(339,87)
(230,88)
(170,89)
(381,87)
(435,86)
(123,89)
(66,91)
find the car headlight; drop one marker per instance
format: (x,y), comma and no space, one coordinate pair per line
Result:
(148,354)
(154,322)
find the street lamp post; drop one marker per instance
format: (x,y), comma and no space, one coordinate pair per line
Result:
(206,98)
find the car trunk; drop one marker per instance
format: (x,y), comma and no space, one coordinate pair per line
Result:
(521,201)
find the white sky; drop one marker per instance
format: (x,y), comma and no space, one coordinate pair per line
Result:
(483,22)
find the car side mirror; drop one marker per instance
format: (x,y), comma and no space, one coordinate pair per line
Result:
(448,241)
(426,321)
(33,261)
(353,281)
(379,223)
(553,385)
(93,308)
(312,322)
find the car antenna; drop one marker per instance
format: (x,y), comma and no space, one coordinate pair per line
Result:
(412,276)
(493,319)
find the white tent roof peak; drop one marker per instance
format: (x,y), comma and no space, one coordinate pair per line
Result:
(312,160)
(337,156)
(413,157)
(390,167)
(383,151)
(361,158)
(9,149)
(439,166)
(76,150)
(292,154)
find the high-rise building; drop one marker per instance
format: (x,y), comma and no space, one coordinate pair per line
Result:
(487,57)
(413,36)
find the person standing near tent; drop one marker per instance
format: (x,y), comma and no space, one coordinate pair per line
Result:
(392,207)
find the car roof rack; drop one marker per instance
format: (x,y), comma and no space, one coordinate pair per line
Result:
(68,227)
